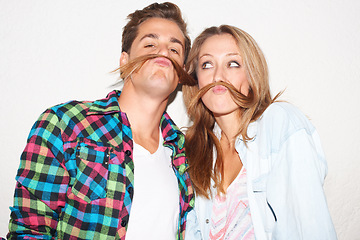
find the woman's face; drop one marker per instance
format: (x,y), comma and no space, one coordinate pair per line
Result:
(220,60)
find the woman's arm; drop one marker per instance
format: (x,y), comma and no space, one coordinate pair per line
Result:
(192,231)
(295,189)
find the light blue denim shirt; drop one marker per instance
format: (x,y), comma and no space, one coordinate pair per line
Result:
(286,168)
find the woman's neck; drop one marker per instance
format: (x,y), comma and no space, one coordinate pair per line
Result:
(229,125)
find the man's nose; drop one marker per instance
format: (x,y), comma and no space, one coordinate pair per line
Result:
(163,50)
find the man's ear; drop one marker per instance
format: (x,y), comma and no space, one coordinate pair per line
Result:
(124,58)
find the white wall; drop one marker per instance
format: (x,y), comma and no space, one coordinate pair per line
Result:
(54,51)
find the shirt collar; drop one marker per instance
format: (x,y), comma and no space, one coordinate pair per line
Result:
(170,132)
(109,105)
(239,142)
(174,137)
(251,131)
(106,105)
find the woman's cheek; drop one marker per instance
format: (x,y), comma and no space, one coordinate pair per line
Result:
(203,80)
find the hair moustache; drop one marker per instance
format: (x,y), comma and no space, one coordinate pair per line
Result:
(135,65)
(243,101)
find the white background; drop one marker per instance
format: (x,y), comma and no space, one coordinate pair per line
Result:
(55,51)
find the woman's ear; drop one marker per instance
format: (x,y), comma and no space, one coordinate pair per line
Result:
(124,58)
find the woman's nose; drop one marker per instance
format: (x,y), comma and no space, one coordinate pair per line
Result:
(218,75)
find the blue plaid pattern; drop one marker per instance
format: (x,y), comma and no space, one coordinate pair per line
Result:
(76,174)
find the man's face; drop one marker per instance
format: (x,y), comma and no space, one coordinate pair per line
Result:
(156,36)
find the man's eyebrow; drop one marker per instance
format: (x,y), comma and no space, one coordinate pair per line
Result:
(150,35)
(175,40)
(155,36)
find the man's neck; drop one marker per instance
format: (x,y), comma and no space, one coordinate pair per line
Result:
(144,114)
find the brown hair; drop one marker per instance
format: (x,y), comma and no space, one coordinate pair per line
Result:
(200,139)
(135,64)
(164,10)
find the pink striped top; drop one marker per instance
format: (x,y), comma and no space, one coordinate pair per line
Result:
(231,218)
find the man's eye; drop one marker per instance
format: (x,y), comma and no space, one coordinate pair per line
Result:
(233,64)
(174,50)
(206,65)
(149,45)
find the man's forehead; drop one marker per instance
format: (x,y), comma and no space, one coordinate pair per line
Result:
(159,27)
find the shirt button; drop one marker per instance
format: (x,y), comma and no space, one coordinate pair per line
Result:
(130,190)
(123,223)
(127,152)
(207,221)
(77,151)
(71,151)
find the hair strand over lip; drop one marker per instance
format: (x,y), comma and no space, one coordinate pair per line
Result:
(135,64)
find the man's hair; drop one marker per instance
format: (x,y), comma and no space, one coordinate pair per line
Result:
(164,10)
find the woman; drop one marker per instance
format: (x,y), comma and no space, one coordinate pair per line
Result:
(256,164)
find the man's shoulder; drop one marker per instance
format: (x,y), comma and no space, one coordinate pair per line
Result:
(75,107)
(75,111)
(70,108)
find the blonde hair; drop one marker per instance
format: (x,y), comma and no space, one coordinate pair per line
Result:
(200,138)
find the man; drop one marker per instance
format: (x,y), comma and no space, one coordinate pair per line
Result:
(114,168)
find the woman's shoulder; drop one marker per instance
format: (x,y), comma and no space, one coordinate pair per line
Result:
(286,117)
(282,109)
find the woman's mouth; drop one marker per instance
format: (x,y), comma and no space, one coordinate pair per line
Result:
(219,89)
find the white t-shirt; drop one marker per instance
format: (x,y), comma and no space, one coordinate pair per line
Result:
(154,212)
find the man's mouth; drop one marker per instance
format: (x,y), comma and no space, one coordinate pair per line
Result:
(162,61)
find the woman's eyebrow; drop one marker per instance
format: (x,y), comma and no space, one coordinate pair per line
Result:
(233,54)
(205,55)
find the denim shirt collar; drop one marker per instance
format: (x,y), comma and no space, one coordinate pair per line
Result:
(239,142)
(251,131)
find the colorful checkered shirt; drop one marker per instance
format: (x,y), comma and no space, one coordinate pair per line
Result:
(76,174)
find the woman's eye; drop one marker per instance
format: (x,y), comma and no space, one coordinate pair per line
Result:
(206,65)
(149,45)
(233,64)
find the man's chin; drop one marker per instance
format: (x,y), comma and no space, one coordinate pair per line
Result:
(163,89)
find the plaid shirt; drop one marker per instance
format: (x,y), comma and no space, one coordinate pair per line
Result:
(76,174)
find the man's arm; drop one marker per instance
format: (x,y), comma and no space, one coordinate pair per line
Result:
(41,182)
